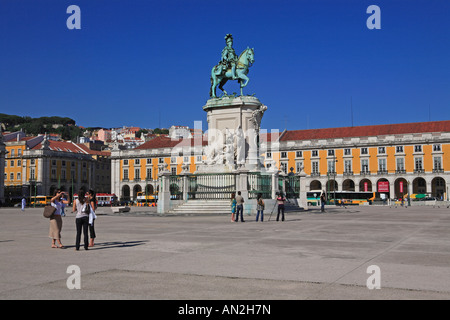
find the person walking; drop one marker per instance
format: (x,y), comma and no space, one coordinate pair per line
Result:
(239,207)
(81,206)
(55,219)
(233,206)
(280,201)
(92,200)
(322,202)
(259,207)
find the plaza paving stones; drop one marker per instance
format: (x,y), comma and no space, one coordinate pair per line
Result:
(311,255)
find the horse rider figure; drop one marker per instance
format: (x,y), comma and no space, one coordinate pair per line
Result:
(229,57)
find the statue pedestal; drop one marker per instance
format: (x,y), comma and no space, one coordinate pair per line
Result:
(233,133)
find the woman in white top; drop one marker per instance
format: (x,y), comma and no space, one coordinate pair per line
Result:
(55,220)
(81,206)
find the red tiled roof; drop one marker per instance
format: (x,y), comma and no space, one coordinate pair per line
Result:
(61,146)
(366,131)
(94,152)
(166,142)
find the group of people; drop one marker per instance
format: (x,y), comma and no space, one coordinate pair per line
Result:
(237,207)
(84,206)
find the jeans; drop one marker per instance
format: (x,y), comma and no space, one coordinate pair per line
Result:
(280,210)
(239,209)
(92,230)
(262,215)
(82,224)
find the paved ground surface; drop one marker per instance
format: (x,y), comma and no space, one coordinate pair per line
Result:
(308,256)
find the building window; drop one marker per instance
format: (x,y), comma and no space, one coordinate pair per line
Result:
(330,152)
(19,152)
(382,166)
(19,176)
(400,165)
(347,166)
(63,174)
(284,154)
(149,173)
(63,163)
(299,166)
(125,174)
(399,149)
(149,161)
(314,153)
(19,163)
(186,159)
(381,150)
(364,151)
(12,154)
(173,160)
(161,160)
(198,159)
(11,176)
(298,154)
(125,162)
(137,161)
(436,147)
(437,161)
(11,164)
(365,166)
(269,155)
(418,148)
(331,166)
(32,161)
(32,174)
(347,152)
(174,170)
(315,167)
(418,164)
(137,174)
(283,166)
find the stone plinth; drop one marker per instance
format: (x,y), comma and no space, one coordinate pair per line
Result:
(233,133)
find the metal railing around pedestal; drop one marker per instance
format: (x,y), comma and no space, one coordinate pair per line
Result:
(216,186)
(259,183)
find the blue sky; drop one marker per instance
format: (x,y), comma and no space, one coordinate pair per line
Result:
(147,63)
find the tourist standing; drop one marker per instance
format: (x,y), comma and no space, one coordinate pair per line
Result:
(55,219)
(259,207)
(239,207)
(92,200)
(233,206)
(280,202)
(81,206)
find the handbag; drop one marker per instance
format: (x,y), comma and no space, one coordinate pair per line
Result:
(87,208)
(49,211)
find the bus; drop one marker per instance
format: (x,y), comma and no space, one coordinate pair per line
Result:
(146,200)
(351,197)
(103,199)
(313,197)
(40,201)
(106,199)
